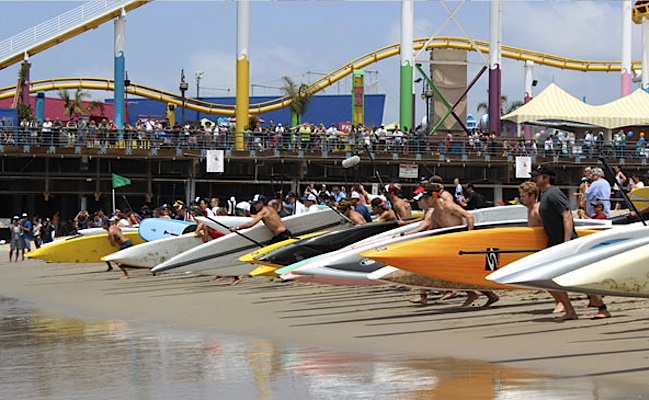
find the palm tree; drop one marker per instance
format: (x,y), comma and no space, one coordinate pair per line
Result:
(505,106)
(299,96)
(74,107)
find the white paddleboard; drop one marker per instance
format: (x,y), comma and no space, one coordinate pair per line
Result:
(99,231)
(623,274)
(150,254)
(527,269)
(223,223)
(225,251)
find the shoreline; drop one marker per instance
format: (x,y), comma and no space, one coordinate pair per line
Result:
(518,331)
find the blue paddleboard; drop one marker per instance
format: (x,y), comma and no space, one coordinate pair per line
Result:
(151,229)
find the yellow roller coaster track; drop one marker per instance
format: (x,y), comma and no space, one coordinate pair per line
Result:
(324,81)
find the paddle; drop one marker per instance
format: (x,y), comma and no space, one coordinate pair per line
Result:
(341,215)
(496,251)
(628,201)
(237,232)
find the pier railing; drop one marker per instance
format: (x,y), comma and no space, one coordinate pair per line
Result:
(88,140)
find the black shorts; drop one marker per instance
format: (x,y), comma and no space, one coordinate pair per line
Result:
(126,245)
(281,237)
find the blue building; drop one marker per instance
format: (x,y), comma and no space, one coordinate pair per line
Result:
(325,109)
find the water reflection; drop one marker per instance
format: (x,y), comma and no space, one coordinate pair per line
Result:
(46,356)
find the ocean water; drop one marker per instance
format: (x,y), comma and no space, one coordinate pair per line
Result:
(45,355)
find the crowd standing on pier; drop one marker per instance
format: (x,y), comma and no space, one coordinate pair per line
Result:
(155,133)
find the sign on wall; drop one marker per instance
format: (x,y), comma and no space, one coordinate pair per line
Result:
(215,161)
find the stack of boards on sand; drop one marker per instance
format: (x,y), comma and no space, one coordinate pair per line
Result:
(150,254)
(221,255)
(347,266)
(610,262)
(81,249)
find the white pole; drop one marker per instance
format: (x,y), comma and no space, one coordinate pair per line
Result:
(627,44)
(113,201)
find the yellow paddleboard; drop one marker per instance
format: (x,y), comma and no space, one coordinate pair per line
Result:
(264,271)
(639,197)
(466,257)
(84,249)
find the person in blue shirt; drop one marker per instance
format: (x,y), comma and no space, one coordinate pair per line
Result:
(27,233)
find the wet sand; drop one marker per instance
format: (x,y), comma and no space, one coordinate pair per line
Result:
(518,331)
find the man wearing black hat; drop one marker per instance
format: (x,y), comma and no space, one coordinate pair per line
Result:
(556,216)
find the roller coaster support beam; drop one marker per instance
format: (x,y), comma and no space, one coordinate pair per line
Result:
(450,109)
(407,90)
(495,61)
(243,71)
(120,73)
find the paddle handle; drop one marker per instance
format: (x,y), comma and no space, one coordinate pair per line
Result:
(496,251)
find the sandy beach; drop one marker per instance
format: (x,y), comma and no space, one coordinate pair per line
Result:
(518,331)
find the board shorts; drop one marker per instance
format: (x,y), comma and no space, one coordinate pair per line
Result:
(126,245)
(213,233)
(281,237)
(17,244)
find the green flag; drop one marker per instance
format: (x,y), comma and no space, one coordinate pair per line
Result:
(119,181)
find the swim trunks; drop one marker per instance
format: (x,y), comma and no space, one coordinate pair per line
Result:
(281,237)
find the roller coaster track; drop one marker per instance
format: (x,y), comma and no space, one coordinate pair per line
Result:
(59,29)
(324,81)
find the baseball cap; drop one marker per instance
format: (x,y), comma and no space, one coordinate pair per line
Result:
(24,215)
(543,169)
(355,195)
(310,197)
(419,190)
(16,217)
(597,204)
(258,198)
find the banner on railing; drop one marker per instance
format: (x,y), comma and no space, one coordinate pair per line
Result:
(408,171)
(215,161)
(523,167)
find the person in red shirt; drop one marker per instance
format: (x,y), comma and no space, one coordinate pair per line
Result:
(598,207)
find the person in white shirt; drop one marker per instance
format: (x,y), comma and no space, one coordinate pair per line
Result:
(311,202)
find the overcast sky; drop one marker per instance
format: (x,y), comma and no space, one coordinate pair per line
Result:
(304,39)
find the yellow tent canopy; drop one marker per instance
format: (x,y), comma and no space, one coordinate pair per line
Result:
(555,104)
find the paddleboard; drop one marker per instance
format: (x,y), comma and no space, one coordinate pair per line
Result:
(151,229)
(392,275)
(263,270)
(225,251)
(223,223)
(83,249)
(347,265)
(150,254)
(639,197)
(252,256)
(623,274)
(304,249)
(528,268)
(465,257)
(99,231)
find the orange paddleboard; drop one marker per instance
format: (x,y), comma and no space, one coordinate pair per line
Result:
(465,257)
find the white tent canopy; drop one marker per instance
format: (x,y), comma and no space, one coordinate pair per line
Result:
(555,104)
